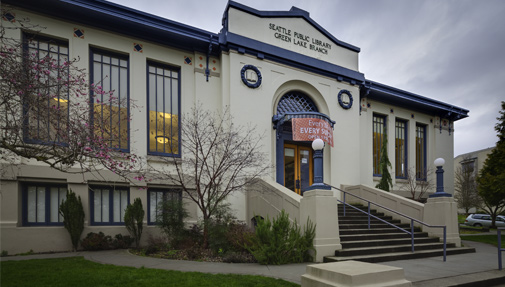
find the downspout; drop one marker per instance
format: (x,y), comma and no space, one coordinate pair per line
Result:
(207,70)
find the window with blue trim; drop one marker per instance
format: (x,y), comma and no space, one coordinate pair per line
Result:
(421,152)
(110,97)
(41,203)
(108,204)
(157,198)
(46,111)
(378,133)
(163,91)
(401,148)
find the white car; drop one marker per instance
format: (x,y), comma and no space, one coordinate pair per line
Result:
(484,220)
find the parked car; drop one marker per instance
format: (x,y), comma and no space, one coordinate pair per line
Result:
(484,220)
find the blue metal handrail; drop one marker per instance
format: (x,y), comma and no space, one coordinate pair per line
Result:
(500,250)
(411,232)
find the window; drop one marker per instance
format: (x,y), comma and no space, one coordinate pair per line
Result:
(110,96)
(163,104)
(46,105)
(379,131)
(401,149)
(421,152)
(156,197)
(41,203)
(108,205)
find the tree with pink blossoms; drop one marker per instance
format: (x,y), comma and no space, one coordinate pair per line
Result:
(49,112)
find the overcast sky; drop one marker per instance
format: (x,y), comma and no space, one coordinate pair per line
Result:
(451,50)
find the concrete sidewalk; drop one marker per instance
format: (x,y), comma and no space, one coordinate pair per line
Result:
(458,269)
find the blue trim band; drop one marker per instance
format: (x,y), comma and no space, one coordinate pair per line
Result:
(270,52)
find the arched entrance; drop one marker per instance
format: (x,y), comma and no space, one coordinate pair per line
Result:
(294,160)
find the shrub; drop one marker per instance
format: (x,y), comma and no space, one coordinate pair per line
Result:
(122,241)
(133,218)
(282,242)
(73,217)
(96,241)
(100,241)
(4,253)
(170,218)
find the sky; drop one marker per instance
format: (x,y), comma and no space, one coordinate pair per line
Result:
(452,50)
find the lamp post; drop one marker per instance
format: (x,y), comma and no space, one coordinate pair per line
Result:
(318,183)
(439,162)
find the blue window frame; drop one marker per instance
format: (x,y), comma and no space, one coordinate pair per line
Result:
(163,90)
(46,114)
(111,106)
(41,202)
(108,204)
(401,164)
(421,169)
(156,197)
(378,133)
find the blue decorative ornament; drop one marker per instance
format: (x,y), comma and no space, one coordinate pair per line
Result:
(248,82)
(345,99)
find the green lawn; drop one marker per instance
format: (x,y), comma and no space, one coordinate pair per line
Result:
(489,239)
(76,271)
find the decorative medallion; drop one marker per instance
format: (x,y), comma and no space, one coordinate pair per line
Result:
(138,47)
(345,99)
(251,76)
(79,33)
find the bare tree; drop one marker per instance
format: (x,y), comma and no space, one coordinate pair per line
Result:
(47,113)
(418,187)
(466,187)
(218,159)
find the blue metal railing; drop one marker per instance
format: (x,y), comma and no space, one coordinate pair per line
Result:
(500,250)
(412,220)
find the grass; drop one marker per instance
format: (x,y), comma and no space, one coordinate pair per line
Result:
(76,271)
(488,239)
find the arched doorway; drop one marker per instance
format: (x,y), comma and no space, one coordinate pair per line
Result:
(294,158)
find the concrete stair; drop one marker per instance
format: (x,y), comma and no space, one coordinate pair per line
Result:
(383,242)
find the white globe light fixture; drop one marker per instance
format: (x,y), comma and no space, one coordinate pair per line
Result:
(439,162)
(318,144)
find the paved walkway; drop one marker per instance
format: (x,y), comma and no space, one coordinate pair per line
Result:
(458,269)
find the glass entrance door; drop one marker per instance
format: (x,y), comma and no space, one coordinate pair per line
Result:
(297,167)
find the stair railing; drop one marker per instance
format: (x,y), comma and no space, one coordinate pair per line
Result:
(412,220)
(500,250)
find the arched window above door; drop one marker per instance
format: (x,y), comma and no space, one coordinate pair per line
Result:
(294,102)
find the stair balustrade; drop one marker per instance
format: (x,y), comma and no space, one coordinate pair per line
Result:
(412,220)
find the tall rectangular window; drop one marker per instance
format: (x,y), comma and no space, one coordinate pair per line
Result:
(41,203)
(110,96)
(108,205)
(163,104)
(156,198)
(378,133)
(421,152)
(46,101)
(401,149)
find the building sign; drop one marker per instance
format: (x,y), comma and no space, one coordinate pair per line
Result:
(309,129)
(300,39)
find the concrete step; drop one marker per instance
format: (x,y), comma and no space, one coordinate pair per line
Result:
(368,250)
(372,231)
(373,225)
(365,220)
(374,258)
(380,236)
(382,242)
